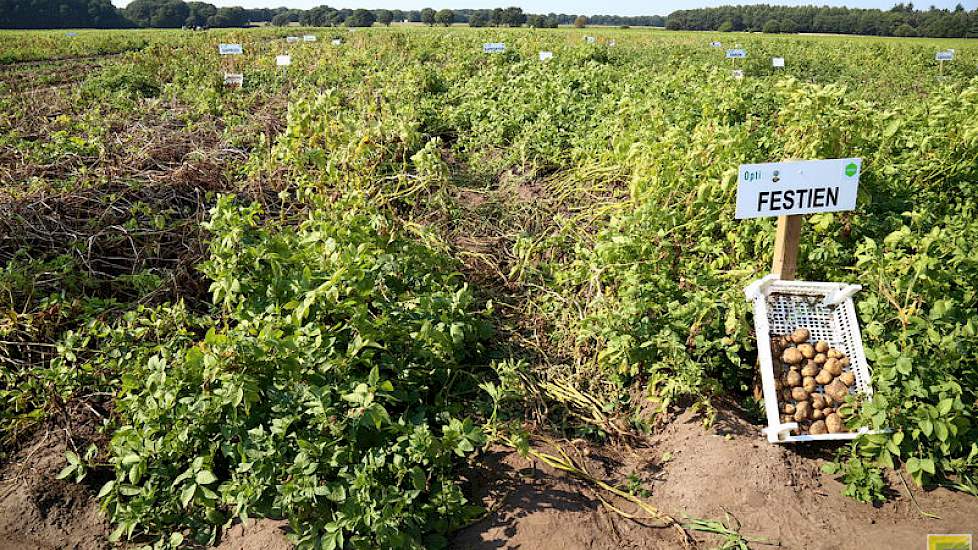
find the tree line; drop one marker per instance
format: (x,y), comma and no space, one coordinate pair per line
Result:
(101,14)
(498,17)
(54,14)
(901,20)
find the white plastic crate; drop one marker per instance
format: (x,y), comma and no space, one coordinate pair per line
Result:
(826,309)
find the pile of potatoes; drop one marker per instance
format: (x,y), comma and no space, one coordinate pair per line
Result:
(812,382)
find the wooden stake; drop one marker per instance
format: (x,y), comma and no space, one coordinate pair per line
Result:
(785,262)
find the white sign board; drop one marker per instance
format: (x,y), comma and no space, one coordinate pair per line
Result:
(947,55)
(716,45)
(546,55)
(589,39)
(229,49)
(309,38)
(777,62)
(736,54)
(234,79)
(283,60)
(737,73)
(799,187)
(612,43)
(337,41)
(493,47)
(291,39)
(71,34)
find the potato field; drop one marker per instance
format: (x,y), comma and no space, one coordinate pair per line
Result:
(402,293)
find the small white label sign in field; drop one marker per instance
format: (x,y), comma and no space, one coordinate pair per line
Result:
(283,60)
(777,62)
(309,38)
(337,41)
(737,73)
(291,39)
(71,34)
(590,39)
(612,43)
(736,54)
(947,55)
(546,55)
(799,187)
(493,47)
(229,49)
(234,79)
(716,45)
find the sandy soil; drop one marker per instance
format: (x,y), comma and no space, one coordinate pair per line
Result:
(774,493)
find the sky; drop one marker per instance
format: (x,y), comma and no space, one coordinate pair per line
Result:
(586,7)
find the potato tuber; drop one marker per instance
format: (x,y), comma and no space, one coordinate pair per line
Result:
(837,390)
(833,366)
(848,378)
(818,401)
(818,428)
(823,377)
(803,411)
(793,378)
(834,424)
(792,356)
(800,336)
(807,350)
(799,393)
(810,369)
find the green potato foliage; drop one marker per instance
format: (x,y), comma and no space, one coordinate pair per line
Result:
(322,394)
(328,380)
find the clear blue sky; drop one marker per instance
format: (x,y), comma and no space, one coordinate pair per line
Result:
(587,7)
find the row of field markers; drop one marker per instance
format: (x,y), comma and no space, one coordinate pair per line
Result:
(237,49)
(237,79)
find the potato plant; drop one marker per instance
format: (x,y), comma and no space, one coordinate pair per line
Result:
(318,357)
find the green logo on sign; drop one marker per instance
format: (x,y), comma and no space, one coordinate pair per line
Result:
(851,169)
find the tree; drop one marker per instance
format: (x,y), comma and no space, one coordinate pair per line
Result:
(229,17)
(726,26)
(771,27)
(141,11)
(496,17)
(199,13)
(321,16)
(788,27)
(580,22)
(384,17)
(513,17)
(905,30)
(280,20)
(428,16)
(445,17)
(61,14)
(360,18)
(535,21)
(479,19)
(551,22)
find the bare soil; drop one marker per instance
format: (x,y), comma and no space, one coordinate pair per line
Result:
(38,511)
(773,494)
(728,472)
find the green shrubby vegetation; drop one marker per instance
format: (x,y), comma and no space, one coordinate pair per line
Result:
(350,347)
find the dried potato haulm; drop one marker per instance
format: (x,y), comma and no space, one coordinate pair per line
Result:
(814,382)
